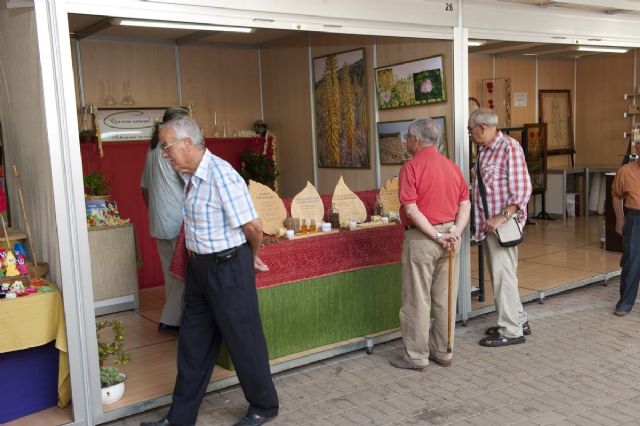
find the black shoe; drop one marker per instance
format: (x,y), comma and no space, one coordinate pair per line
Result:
(526,329)
(170,329)
(498,339)
(162,422)
(252,419)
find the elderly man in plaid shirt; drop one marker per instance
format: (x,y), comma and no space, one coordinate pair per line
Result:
(502,167)
(223,235)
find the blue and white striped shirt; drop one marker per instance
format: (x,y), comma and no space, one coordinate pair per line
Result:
(216,206)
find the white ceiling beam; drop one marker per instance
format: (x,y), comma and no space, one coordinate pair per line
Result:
(631,5)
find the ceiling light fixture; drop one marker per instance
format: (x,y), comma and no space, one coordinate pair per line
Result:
(179,25)
(602,49)
(475,43)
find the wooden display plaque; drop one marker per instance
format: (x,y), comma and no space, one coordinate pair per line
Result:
(347,203)
(269,206)
(307,204)
(389,196)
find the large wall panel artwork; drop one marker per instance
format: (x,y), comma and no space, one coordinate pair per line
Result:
(341,110)
(555,110)
(411,83)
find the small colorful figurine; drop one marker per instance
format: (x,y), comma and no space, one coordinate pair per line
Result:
(17,248)
(21,264)
(17,287)
(10,265)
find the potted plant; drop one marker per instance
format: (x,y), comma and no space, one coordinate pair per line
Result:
(259,168)
(111,379)
(96,186)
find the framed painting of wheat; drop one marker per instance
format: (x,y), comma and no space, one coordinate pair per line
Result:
(392,140)
(341,110)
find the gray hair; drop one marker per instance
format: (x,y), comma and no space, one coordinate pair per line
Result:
(426,130)
(483,116)
(185,127)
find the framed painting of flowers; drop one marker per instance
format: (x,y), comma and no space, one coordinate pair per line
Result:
(411,83)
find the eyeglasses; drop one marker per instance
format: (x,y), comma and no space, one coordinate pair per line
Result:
(407,136)
(165,148)
(470,128)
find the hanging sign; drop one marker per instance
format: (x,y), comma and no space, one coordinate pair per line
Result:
(128,124)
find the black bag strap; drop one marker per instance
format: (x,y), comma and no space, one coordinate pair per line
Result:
(483,191)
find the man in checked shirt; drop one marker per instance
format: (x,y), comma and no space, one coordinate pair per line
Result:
(223,235)
(505,176)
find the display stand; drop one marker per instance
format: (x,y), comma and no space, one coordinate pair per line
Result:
(113,268)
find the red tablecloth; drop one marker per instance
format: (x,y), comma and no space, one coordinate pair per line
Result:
(296,260)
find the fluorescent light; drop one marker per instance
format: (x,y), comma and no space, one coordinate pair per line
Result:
(474,43)
(602,49)
(179,25)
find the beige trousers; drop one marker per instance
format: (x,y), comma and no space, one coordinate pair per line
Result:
(425,283)
(173,287)
(503,265)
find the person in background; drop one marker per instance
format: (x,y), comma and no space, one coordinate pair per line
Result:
(626,189)
(435,210)
(163,193)
(223,235)
(503,168)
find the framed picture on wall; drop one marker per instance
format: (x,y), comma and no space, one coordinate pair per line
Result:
(535,151)
(555,110)
(392,140)
(412,83)
(341,110)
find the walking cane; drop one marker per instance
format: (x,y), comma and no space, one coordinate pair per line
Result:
(449,349)
(450,293)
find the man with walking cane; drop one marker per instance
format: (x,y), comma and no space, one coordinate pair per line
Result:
(435,209)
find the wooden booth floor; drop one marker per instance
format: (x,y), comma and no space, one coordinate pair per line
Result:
(555,256)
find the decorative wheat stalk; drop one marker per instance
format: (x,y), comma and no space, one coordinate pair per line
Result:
(348,111)
(332,111)
(98,134)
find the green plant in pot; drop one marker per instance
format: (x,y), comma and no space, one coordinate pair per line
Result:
(96,186)
(258,167)
(111,379)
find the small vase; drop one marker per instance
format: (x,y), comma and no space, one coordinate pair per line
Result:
(109,100)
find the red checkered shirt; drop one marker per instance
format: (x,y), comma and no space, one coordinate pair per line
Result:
(505,177)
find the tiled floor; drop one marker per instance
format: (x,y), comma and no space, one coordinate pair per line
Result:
(554,253)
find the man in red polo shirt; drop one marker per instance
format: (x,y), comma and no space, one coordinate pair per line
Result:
(435,210)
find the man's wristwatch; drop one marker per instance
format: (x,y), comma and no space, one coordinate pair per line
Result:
(506,214)
(438,236)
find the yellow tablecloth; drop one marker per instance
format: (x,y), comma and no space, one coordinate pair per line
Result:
(35,320)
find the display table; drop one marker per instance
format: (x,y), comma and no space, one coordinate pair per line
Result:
(114,271)
(326,289)
(28,324)
(557,191)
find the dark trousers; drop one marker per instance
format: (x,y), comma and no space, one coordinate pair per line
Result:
(221,303)
(630,262)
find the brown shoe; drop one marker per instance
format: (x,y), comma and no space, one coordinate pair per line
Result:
(441,362)
(620,312)
(403,363)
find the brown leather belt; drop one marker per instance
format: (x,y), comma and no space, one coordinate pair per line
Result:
(219,256)
(632,212)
